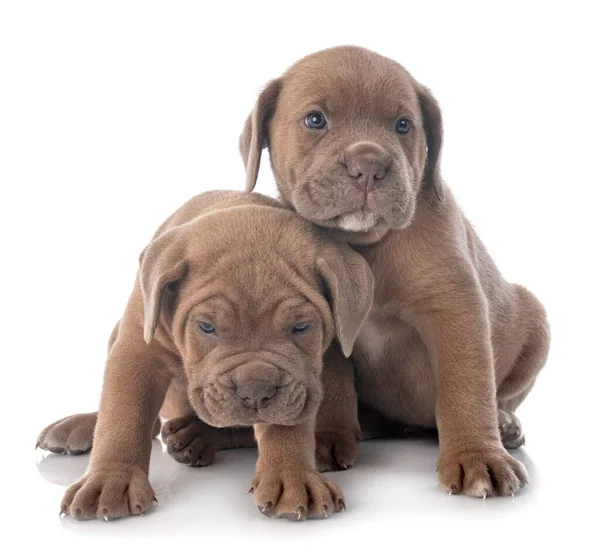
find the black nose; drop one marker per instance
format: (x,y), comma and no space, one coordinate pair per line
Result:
(256,393)
(367,170)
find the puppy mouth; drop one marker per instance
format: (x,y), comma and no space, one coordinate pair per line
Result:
(221,406)
(362,220)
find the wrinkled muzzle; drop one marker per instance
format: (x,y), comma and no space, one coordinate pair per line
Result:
(256,392)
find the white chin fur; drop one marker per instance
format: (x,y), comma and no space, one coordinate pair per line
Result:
(357,221)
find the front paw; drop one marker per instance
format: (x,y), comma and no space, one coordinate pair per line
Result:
(190,441)
(336,450)
(481,472)
(109,492)
(296,493)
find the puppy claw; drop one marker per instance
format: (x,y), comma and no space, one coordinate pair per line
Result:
(266,507)
(342,505)
(106,518)
(154,500)
(62,514)
(251,491)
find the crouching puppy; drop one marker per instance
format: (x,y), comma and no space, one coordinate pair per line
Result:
(234,306)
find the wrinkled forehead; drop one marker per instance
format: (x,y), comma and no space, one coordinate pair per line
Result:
(252,306)
(350,81)
(260,261)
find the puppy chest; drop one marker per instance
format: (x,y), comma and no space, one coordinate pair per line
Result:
(387,345)
(371,344)
(393,372)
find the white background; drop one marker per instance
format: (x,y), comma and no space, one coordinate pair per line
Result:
(112,114)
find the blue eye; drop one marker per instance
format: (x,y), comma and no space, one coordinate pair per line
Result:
(403,126)
(206,327)
(315,120)
(300,327)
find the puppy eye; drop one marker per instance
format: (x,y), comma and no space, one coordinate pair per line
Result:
(315,120)
(300,327)
(402,125)
(207,328)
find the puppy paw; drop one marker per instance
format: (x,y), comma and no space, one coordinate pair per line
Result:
(481,472)
(109,492)
(336,450)
(190,441)
(72,435)
(296,494)
(510,430)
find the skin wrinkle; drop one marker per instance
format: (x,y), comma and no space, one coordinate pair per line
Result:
(253,371)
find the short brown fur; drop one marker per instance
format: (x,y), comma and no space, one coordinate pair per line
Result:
(448,344)
(252,269)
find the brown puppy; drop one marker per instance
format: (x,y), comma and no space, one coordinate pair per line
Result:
(355,145)
(230,315)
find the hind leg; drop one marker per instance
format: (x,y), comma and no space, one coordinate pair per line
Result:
(74,435)
(520,380)
(192,442)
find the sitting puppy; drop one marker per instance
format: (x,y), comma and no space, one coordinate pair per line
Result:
(355,145)
(235,303)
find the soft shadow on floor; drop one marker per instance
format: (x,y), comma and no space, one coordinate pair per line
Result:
(404,465)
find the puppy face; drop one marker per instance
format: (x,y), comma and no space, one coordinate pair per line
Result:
(353,139)
(242,295)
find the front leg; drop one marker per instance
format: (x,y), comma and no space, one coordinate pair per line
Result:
(337,428)
(455,327)
(287,483)
(116,481)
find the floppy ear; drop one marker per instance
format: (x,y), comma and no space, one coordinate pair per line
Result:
(432,120)
(350,283)
(162,264)
(254,137)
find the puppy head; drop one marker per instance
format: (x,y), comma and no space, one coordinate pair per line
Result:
(251,297)
(353,140)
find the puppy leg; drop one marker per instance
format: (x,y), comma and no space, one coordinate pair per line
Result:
(116,481)
(192,442)
(71,435)
(188,439)
(520,380)
(287,483)
(74,435)
(337,428)
(457,333)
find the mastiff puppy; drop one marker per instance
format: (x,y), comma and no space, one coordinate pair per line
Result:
(235,304)
(355,145)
